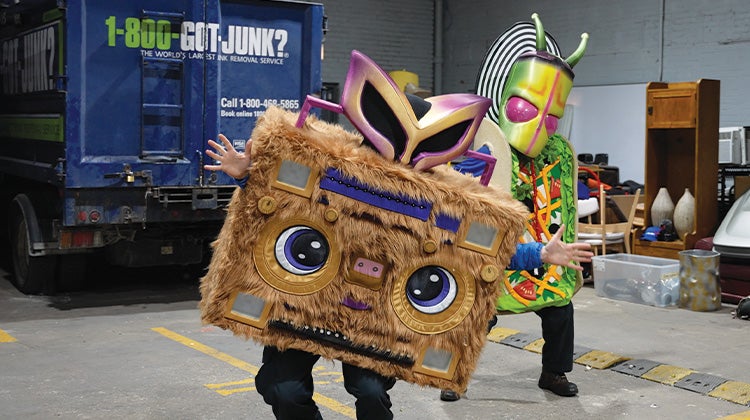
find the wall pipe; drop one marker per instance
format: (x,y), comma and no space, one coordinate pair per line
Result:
(661,41)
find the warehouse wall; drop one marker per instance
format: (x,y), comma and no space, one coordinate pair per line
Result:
(631,43)
(701,39)
(397,34)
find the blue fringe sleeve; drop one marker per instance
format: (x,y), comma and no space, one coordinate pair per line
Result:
(242,182)
(528,256)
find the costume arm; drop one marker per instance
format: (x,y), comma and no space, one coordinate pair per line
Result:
(528,256)
(230,161)
(533,254)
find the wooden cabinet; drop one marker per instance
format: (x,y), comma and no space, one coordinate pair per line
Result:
(682,151)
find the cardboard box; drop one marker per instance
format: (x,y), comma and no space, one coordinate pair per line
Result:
(741,185)
(637,278)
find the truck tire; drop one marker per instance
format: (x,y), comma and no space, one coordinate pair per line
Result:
(31,274)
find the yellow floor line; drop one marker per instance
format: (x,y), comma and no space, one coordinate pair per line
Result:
(745,415)
(334,405)
(230,388)
(227,384)
(6,338)
(327,402)
(240,364)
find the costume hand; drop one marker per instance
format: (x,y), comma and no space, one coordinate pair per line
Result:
(232,162)
(558,252)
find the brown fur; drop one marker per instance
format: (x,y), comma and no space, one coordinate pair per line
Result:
(360,230)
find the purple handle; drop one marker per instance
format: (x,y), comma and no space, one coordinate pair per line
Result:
(312,101)
(489,167)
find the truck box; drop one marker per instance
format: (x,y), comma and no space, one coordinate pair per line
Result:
(105,110)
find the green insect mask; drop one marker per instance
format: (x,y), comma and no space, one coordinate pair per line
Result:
(533,100)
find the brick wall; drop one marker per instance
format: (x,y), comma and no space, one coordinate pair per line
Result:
(397,34)
(701,39)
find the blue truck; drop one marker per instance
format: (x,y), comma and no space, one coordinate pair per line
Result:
(105,110)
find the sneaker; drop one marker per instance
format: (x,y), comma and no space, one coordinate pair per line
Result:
(448,395)
(558,384)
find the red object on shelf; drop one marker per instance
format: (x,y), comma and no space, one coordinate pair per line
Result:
(594,181)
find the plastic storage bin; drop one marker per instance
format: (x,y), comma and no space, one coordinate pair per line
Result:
(637,278)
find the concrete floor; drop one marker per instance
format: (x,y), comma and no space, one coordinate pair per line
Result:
(134,348)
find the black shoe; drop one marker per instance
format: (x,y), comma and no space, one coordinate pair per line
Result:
(557,383)
(491,324)
(448,395)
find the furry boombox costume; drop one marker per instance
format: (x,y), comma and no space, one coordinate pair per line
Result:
(366,250)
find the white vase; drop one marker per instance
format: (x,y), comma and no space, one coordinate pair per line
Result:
(662,207)
(684,214)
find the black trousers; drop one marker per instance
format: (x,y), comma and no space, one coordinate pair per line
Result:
(558,334)
(286,384)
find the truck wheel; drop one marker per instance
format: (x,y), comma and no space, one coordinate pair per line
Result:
(31,274)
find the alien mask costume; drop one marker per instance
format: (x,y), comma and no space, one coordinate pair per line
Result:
(529,84)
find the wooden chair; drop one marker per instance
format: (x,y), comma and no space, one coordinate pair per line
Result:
(623,203)
(601,234)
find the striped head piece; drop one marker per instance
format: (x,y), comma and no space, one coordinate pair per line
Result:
(528,83)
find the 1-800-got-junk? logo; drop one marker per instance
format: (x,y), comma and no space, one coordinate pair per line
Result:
(30,61)
(197,37)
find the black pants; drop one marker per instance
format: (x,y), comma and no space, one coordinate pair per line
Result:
(286,384)
(557,331)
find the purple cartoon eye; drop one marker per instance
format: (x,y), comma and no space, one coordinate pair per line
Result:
(520,110)
(431,289)
(301,250)
(550,123)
